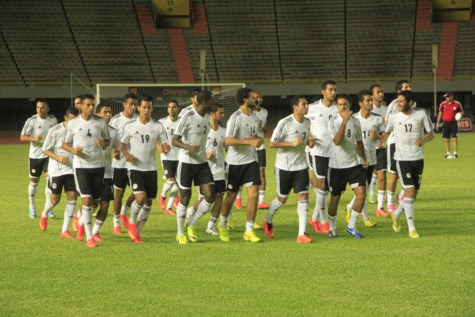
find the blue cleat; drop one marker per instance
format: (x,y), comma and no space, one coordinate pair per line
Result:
(353,232)
(32,213)
(51,214)
(333,234)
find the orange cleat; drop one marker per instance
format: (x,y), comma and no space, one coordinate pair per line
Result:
(91,243)
(238,203)
(304,239)
(66,234)
(97,237)
(117,230)
(176,202)
(80,235)
(263,205)
(162,201)
(169,212)
(315,225)
(268,228)
(43,223)
(125,220)
(325,227)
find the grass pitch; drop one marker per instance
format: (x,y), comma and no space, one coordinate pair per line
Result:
(384,274)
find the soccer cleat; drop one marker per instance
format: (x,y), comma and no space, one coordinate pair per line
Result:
(400,199)
(138,239)
(169,212)
(97,237)
(268,228)
(257,226)
(348,214)
(413,234)
(43,223)
(117,230)
(381,213)
(75,221)
(370,223)
(396,224)
(32,213)
(238,203)
(391,207)
(455,156)
(51,214)
(315,225)
(181,239)
(191,234)
(212,232)
(80,235)
(229,225)
(263,205)
(132,231)
(333,234)
(162,201)
(353,232)
(448,156)
(176,202)
(125,220)
(325,227)
(91,243)
(372,199)
(66,234)
(251,237)
(223,234)
(304,239)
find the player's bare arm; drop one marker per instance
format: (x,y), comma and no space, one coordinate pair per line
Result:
(311,140)
(28,138)
(61,159)
(254,141)
(427,137)
(176,141)
(163,148)
(75,150)
(345,115)
(128,156)
(103,142)
(360,152)
(210,155)
(283,144)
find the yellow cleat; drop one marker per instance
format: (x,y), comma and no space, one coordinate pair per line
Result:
(413,234)
(348,215)
(229,225)
(192,234)
(257,226)
(251,237)
(370,223)
(396,224)
(181,239)
(223,234)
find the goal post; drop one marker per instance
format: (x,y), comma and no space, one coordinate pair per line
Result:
(113,95)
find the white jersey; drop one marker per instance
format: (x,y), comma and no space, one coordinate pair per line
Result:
(170,128)
(193,129)
(118,122)
(185,110)
(80,132)
(373,122)
(407,129)
(35,126)
(344,155)
(261,124)
(215,142)
(106,151)
(54,142)
(241,126)
(142,140)
(392,109)
(320,115)
(382,110)
(287,130)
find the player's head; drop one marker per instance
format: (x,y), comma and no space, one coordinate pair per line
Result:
(104,111)
(342,102)
(259,100)
(245,96)
(77,101)
(405,100)
(172,108)
(87,104)
(402,85)
(378,94)
(129,104)
(449,96)
(42,108)
(299,105)
(145,107)
(365,100)
(194,96)
(71,113)
(217,112)
(329,90)
(205,98)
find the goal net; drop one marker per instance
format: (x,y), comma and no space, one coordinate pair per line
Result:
(113,95)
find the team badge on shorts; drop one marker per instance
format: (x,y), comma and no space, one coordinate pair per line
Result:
(230,186)
(33,171)
(134,186)
(54,185)
(408,175)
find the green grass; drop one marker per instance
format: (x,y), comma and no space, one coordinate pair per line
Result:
(384,274)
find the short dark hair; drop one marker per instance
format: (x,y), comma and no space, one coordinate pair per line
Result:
(42,100)
(130,95)
(342,96)
(72,110)
(327,82)
(241,94)
(295,101)
(408,95)
(215,107)
(100,106)
(144,98)
(203,96)
(195,92)
(174,101)
(87,96)
(371,89)
(363,93)
(400,83)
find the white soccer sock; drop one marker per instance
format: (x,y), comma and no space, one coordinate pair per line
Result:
(262,195)
(212,222)
(372,184)
(249,226)
(97,226)
(32,189)
(353,218)
(124,209)
(409,209)
(401,193)
(381,194)
(166,187)
(332,221)
(201,210)
(302,210)
(47,208)
(170,201)
(68,214)
(398,211)
(87,220)
(223,221)
(390,197)
(180,219)
(134,212)
(116,220)
(364,212)
(143,217)
(322,205)
(273,207)
(352,202)
(47,190)
(315,213)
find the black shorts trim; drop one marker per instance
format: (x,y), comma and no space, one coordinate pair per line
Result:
(120,178)
(38,166)
(381,160)
(261,158)
(243,175)
(57,183)
(197,174)
(169,168)
(286,180)
(450,129)
(338,178)
(89,182)
(410,173)
(144,182)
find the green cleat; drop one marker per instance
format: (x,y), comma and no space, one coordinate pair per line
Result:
(372,199)
(223,234)
(181,239)
(191,234)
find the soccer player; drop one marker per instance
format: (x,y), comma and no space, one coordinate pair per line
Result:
(60,169)
(372,125)
(261,114)
(169,160)
(119,170)
(344,167)
(194,103)
(447,111)
(241,159)
(77,102)
(379,174)
(190,136)
(291,136)
(320,113)
(408,129)
(85,136)
(138,142)
(34,131)
(107,194)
